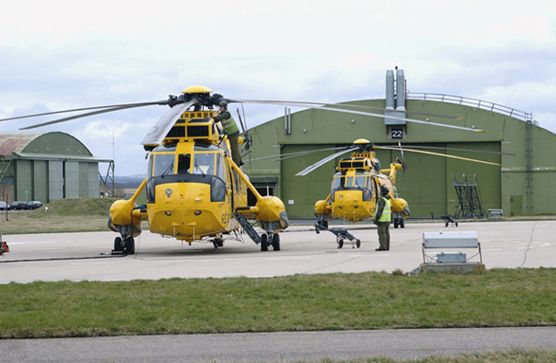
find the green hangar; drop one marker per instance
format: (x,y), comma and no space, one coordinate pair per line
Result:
(45,167)
(522,184)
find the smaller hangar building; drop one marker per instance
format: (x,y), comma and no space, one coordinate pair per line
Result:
(46,167)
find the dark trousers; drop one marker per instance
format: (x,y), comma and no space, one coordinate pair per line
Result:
(236,153)
(383,235)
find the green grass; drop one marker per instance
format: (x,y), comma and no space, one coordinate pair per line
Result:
(74,207)
(522,297)
(513,356)
(66,215)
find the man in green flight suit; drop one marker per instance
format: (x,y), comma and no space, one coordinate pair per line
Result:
(231,130)
(382,218)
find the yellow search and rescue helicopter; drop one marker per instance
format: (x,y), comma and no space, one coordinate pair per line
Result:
(356,187)
(195,190)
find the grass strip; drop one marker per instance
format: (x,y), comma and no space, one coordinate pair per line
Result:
(513,356)
(503,297)
(65,215)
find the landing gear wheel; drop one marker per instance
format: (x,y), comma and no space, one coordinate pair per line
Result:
(118,246)
(325,224)
(340,243)
(218,242)
(129,246)
(276,242)
(264,242)
(402,223)
(358,243)
(396,223)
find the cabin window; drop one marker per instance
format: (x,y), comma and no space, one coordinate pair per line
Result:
(164,164)
(237,181)
(184,163)
(150,167)
(220,167)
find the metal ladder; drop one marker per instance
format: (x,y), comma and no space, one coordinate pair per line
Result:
(469,201)
(248,228)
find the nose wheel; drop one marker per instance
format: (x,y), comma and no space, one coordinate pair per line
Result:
(125,246)
(217,242)
(399,222)
(270,240)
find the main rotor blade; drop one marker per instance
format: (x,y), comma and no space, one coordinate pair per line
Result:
(135,104)
(321,162)
(297,154)
(361,107)
(437,154)
(456,149)
(327,107)
(159,131)
(69,118)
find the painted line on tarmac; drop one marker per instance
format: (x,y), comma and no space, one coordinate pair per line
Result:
(62,258)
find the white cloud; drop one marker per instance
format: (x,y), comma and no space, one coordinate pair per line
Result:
(60,54)
(101,130)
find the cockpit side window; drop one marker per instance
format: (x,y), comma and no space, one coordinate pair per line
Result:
(220,167)
(150,167)
(337,181)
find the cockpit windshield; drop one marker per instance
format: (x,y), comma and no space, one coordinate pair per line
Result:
(163,164)
(359,181)
(203,164)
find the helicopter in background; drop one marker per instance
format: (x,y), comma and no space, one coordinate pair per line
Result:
(356,186)
(194,189)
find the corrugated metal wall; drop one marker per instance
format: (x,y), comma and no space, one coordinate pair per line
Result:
(24,180)
(46,180)
(55,180)
(93,181)
(40,177)
(71,179)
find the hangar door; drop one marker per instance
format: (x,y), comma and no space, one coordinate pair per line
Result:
(55,180)
(423,184)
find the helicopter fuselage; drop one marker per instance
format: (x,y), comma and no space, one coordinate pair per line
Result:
(189,194)
(194,189)
(355,189)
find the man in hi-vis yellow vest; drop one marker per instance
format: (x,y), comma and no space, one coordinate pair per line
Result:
(383,217)
(230,129)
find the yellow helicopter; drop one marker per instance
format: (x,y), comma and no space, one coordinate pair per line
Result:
(356,187)
(194,189)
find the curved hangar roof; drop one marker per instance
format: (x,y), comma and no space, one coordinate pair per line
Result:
(50,145)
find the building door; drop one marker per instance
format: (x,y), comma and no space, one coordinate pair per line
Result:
(55,180)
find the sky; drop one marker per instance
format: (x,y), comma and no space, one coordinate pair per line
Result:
(66,54)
